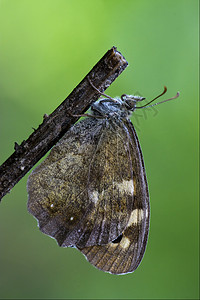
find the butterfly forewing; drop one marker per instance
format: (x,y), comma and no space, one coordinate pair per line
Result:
(124,254)
(110,186)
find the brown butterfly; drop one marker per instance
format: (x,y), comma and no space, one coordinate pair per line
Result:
(91,191)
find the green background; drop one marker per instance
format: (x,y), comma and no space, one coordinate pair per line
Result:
(46,48)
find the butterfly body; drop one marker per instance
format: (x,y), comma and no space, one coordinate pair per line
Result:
(91,191)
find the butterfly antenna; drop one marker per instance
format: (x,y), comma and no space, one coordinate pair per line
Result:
(165,90)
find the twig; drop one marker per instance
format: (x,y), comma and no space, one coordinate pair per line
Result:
(55,125)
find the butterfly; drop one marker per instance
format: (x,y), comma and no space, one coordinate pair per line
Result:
(91,192)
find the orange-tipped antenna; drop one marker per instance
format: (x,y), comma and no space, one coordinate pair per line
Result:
(165,89)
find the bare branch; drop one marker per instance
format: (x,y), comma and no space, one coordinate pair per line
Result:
(55,125)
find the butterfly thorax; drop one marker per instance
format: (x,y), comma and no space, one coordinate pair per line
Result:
(117,107)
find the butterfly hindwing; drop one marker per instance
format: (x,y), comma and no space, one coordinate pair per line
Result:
(123,255)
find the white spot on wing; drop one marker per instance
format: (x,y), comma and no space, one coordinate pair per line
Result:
(126,186)
(94,196)
(114,245)
(125,242)
(136,217)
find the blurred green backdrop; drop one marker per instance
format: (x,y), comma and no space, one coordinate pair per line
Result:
(46,48)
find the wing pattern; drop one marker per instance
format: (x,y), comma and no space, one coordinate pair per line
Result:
(91,193)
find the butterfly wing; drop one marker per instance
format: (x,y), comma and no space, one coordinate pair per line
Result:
(110,187)
(124,254)
(82,194)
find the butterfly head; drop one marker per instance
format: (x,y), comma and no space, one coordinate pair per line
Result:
(130,101)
